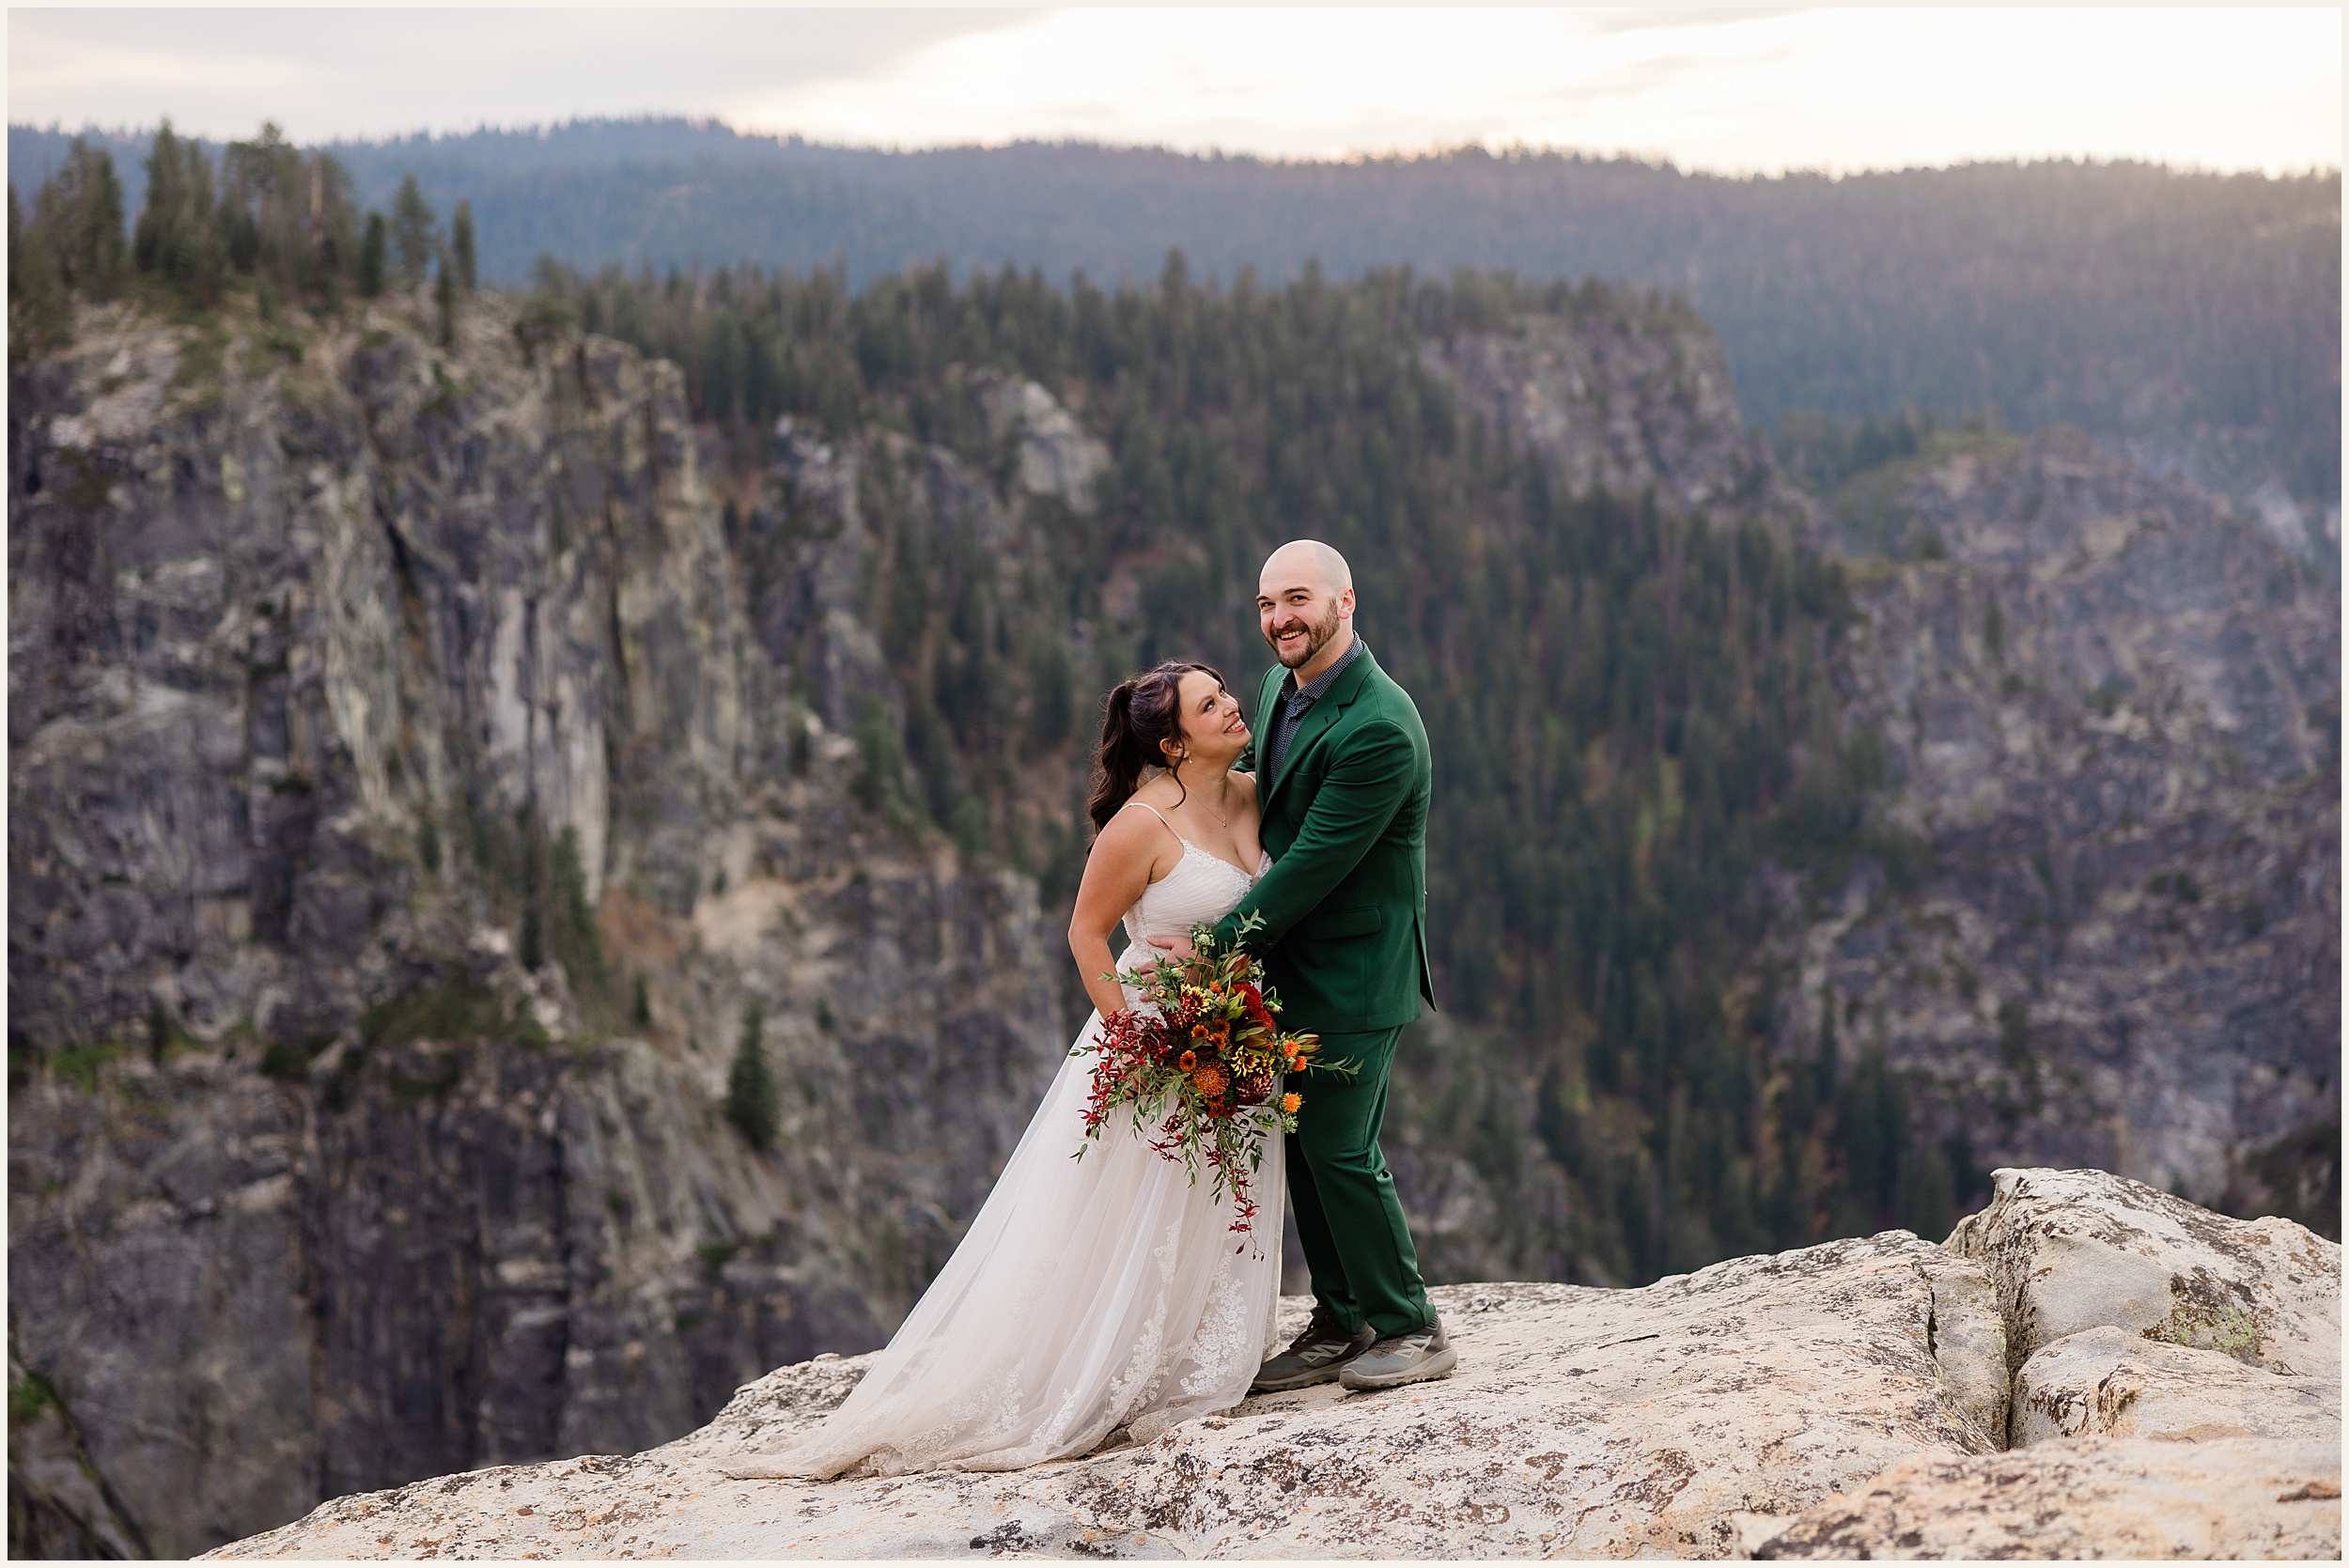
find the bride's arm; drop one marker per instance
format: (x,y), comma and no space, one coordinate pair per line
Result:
(1116,872)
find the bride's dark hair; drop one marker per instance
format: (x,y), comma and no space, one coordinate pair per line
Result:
(1143,710)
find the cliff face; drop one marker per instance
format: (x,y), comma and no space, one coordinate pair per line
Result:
(1610,405)
(2109,723)
(410,796)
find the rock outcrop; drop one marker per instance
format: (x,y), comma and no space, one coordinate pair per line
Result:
(2109,1382)
(2105,926)
(1624,406)
(1848,1399)
(2091,1499)
(2074,1250)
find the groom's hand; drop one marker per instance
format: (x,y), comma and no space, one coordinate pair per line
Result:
(1178,945)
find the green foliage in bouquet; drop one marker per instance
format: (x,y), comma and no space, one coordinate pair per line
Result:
(1203,1059)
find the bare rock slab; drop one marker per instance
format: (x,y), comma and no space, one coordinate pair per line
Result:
(2072,1251)
(2092,1498)
(1582,1422)
(2109,1382)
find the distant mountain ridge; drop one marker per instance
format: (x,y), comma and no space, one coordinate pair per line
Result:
(2191,321)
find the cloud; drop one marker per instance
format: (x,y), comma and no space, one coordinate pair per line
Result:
(1738,91)
(1735,90)
(323,73)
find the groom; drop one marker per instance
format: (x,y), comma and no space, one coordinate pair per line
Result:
(1342,775)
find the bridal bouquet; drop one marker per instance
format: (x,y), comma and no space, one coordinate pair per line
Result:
(1202,1058)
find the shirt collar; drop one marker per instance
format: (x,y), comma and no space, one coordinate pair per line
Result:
(1320,683)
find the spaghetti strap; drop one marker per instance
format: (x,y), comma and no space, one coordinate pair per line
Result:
(1159,814)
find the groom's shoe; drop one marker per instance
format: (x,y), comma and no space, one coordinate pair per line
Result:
(1412,1358)
(1316,1356)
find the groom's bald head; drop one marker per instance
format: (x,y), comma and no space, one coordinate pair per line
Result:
(1306,604)
(1307,561)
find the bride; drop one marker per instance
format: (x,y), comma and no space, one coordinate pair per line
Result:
(1109,1292)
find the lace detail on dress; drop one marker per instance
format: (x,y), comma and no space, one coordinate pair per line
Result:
(1221,1339)
(1130,1395)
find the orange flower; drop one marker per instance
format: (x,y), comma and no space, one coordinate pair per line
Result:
(1210,1080)
(1198,1031)
(1290,1102)
(1189,1060)
(1296,1064)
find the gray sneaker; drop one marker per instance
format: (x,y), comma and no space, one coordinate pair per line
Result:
(1315,1356)
(1412,1358)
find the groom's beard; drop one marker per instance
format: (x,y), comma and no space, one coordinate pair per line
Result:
(1318,635)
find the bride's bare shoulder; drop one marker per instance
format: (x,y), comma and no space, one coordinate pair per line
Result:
(1246,784)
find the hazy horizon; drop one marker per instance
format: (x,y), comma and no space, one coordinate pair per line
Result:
(548,128)
(1720,92)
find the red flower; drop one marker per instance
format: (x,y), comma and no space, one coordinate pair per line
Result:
(1257,1013)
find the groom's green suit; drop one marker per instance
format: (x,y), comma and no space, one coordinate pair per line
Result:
(1343,941)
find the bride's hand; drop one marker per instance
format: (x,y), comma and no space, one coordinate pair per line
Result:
(1177,945)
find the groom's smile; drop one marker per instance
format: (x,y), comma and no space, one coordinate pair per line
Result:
(1304,601)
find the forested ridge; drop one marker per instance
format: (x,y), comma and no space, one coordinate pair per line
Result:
(2193,317)
(1628,701)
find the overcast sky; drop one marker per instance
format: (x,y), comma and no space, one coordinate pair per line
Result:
(1729,90)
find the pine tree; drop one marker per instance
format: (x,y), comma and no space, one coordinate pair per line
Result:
(16,244)
(751,1104)
(444,300)
(175,239)
(415,236)
(77,214)
(374,256)
(460,244)
(37,316)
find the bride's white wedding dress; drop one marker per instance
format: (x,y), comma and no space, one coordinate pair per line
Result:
(1088,1295)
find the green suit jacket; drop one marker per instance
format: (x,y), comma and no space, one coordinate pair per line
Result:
(1345,906)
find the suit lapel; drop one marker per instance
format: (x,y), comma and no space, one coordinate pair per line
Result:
(1319,716)
(1268,714)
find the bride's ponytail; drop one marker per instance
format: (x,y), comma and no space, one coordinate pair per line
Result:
(1143,710)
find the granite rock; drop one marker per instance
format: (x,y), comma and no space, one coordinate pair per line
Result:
(1623,405)
(2092,1498)
(2108,1382)
(2072,1251)
(1844,1400)
(1580,1422)
(2101,923)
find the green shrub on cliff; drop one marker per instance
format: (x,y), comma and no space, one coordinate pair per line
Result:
(752,1103)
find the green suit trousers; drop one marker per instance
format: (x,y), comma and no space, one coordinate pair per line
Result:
(1349,1220)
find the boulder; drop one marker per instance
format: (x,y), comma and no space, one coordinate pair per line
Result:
(1582,1422)
(2088,1497)
(2109,1382)
(2072,1251)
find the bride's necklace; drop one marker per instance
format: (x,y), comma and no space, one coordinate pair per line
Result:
(1222,821)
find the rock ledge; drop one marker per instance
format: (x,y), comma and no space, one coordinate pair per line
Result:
(1844,1399)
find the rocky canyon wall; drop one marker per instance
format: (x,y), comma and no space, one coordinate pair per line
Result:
(413,802)
(2109,715)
